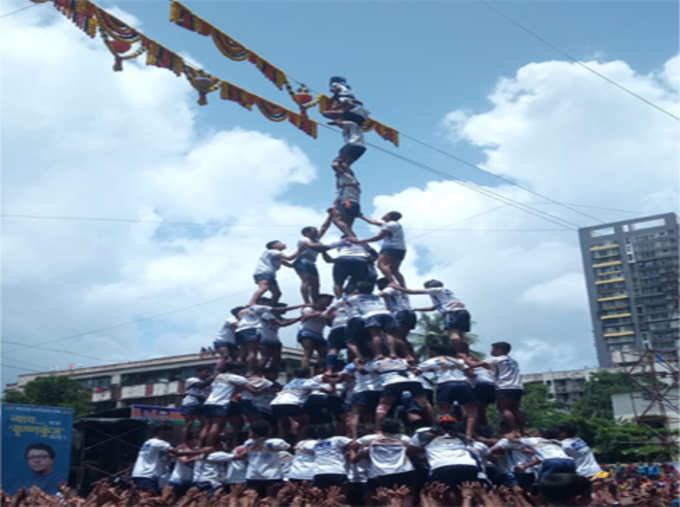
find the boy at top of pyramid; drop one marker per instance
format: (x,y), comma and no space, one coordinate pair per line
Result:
(349,114)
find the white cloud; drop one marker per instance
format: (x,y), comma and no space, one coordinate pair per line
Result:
(562,293)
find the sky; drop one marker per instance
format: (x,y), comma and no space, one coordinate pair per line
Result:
(79,140)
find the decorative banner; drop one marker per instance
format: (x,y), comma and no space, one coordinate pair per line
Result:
(120,37)
(36,447)
(231,48)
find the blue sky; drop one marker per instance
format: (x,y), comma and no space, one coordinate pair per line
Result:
(454,74)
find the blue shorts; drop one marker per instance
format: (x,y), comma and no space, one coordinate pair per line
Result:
(485,392)
(349,209)
(382,321)
(355,331)
(303,334)
(366,399)
(145,483)
(269,277)
(280,411)
(453,475)
(395,253)
(247,336)
(351,152)
(220,410)
(350,267)
(271,344)
(218,344)
(305,266)
(395,390)
(459,320)
(460,391)
(406,319)
(337,338)
(191,409)
(512,394)
(556,466)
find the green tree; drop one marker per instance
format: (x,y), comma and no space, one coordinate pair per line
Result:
(540,411)
(54,391)
(596,400)
(431,331)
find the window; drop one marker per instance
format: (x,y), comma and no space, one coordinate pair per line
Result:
(603,231)
(648,224)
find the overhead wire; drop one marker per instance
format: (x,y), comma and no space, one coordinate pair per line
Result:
(11,13)
(562,52)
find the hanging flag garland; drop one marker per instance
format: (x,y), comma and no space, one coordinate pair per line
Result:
(234,50)
(119,38)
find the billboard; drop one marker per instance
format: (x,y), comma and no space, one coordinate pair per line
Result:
(156,414)
(36,446)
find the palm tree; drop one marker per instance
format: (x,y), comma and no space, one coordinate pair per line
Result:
(431,331)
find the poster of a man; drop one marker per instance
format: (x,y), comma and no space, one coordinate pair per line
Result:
(40,459)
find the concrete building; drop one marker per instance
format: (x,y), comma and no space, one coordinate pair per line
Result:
(631,271)
(564,386)
(157,381)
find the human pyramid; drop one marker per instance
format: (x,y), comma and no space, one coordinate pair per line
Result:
(368,421)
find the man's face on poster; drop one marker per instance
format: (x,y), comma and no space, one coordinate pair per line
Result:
(39,461)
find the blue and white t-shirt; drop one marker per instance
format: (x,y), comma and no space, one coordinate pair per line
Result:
(212,468)
(306,252)
(396,300)
(330,455)
(264,462)
(302,467)
(314,325)
(368,305)
(197,391)
(364,379)
(395,236)
(228,333)
(295,392)
(387,453)
(444,299)
(269,263)
(442,450)
(391,371)
(586,464)
(506,372)
(224,387)
(250,317)
(340,314)
(149,463)
(446,369)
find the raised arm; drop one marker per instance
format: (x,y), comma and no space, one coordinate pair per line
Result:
(413,292)
(371,221)
(377,237)
(324,226)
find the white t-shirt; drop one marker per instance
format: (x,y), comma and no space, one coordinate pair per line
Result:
(329,456)
(443,450)
(295,392)
(506,372)
(314,324)
(481,450)
(357,471)
(259,383)
(269,263)
(352,134)
(251,317)
(285,462)
(425,382)
(263,400)
(182,473)
(586,464)
(149,462)
(228,333)
(346,248)
(340,315)
(387,453)
(514,455)
(264,462)
(545,449)
(366,380)
(483,376)
(347,187)
(391,371)
(446,369)
(196,392)
(269,332)
(368,305)
(444,299)
(212,468)
(395,236)
(302,467)
(396,300)
(223,388)
(236,468)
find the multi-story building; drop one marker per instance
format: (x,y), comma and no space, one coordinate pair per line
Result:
(631,271)
(157,381)
(563,386)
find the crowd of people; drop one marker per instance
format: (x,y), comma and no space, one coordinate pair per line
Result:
(363,420)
